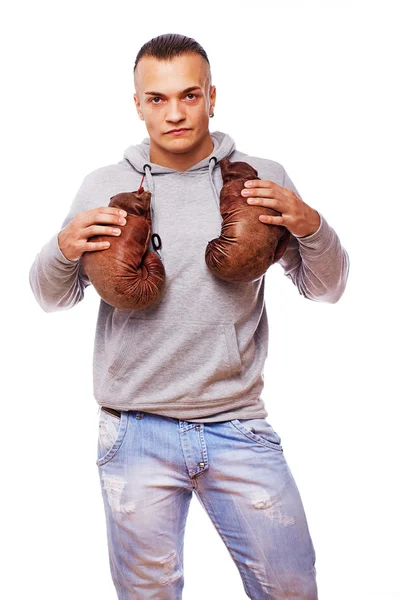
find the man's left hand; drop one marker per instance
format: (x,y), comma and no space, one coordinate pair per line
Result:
(299,218)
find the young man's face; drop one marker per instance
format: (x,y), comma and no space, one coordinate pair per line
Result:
(163,102)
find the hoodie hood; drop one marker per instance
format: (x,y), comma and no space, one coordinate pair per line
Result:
(139,158)
(139,155)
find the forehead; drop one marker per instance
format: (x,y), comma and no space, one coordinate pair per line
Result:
(169,76)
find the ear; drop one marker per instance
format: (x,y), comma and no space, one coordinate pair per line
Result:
(137,104)
(213,94)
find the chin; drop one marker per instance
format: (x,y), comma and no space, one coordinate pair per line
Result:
(181,149)
(180,142)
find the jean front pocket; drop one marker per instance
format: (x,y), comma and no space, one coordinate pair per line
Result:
(258,430)
(111,433)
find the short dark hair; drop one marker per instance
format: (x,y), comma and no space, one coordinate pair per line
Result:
(169,45)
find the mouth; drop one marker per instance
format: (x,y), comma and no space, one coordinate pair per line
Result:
(178,131)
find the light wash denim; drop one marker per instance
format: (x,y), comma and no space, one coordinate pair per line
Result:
(149,465)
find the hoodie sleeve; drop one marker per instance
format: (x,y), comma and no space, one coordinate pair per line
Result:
(317,264)
(57,282)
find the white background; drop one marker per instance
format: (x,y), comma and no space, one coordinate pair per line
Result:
(312,85)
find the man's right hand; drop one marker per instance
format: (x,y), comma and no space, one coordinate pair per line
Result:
(73,239)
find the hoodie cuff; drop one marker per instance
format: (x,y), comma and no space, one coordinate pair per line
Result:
(313,246)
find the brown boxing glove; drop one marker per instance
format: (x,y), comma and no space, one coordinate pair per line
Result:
(246,247)
(126,275)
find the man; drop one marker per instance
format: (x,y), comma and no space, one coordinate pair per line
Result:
(180,382)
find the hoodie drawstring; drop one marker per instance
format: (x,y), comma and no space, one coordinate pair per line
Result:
(155,238)
(211,166)
(150,182)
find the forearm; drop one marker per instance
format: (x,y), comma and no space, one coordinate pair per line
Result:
(317,264)
(56,282)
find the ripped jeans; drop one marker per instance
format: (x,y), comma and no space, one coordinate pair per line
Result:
(149,465)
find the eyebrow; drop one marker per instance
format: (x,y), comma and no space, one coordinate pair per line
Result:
(189,89)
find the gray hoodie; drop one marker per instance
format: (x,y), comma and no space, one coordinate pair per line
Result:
(198,354)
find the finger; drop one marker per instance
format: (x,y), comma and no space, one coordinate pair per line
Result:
(263,193)
(274,203)
(272,220)
(259,183)
(101,230)
(92,246)
(109,210)
(274,188)
(100,215)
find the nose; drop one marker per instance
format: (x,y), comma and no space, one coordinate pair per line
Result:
(175,111)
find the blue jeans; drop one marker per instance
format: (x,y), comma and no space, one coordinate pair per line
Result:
(149,465)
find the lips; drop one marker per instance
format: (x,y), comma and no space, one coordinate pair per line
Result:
(177,130)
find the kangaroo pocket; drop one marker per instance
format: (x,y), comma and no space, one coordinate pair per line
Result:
(160,359)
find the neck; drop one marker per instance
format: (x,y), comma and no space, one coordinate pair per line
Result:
(181,161)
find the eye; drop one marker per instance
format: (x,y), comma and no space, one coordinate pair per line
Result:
(158,98)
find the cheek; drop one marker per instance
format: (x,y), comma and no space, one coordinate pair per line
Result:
(202,114)
(152,119)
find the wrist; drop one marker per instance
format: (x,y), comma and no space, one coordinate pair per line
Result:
(312,225)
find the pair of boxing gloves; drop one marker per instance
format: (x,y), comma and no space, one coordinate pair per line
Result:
(129,277)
